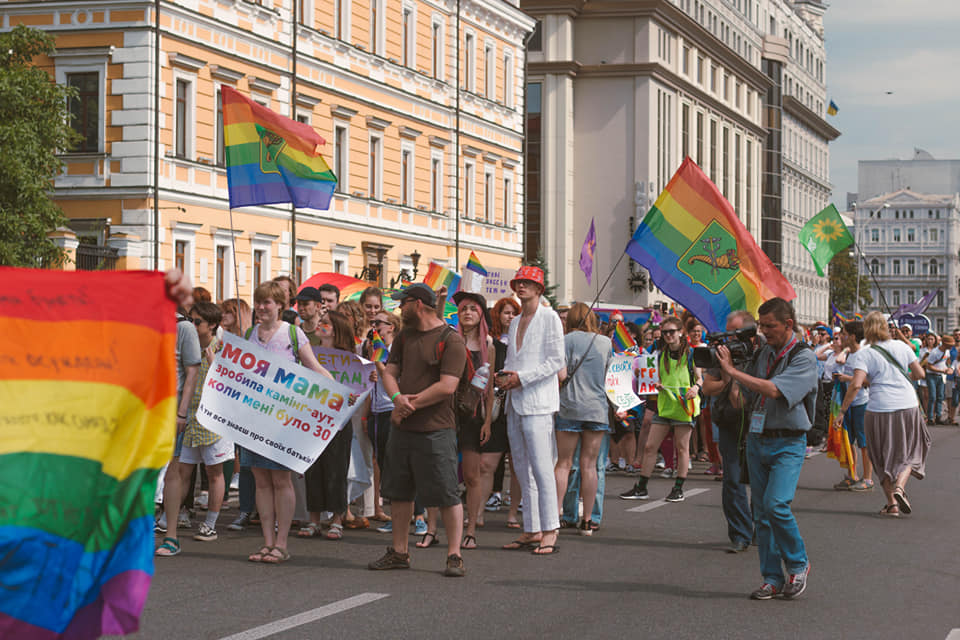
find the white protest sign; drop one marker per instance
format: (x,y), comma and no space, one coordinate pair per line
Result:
(346,367)
(647,375)
(619,382)
(268,404)
(497,283)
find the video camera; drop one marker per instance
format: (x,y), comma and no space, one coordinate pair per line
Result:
(739,342)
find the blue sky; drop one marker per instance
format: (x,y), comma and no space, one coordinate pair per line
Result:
(910,48)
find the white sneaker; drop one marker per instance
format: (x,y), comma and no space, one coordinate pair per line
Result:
(183,520)
(235,482)
(667,473)
(660,463)
(205,533)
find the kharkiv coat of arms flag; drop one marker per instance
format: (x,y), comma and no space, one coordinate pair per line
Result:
(700,254)
(271,158)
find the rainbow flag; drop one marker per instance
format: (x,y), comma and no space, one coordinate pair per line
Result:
(271,158)
(379,351)
(473,264)
(88,397)
(700,254)
(438,276)
(838,439)
(621,338)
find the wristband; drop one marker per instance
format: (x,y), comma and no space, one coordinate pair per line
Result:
(393,398)
(181,417)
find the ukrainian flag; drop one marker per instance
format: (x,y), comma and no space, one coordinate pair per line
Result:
(832,109)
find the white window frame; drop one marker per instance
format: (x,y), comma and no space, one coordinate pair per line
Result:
(377,44)
(340,252)
(222,239)
(262,242)
(469,189)
(438,65)
(436,181)
(343,181)
(70,64)
(408,147)
(342,11)
(470,51)
(303,250)
(508,82)
(186,232)
(190,152)
(489,193)
(490,70)
(410,44)
(375,190)
(508,192)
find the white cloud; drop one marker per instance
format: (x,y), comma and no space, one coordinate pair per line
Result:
(861,13)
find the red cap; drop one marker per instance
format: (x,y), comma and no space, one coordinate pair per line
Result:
(534,274)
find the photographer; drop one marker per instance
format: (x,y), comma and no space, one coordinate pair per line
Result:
(784,391)
(731,415)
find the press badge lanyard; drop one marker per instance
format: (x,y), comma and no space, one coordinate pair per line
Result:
(758,417)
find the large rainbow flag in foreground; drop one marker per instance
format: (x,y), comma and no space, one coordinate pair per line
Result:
(87,406)
(271,158)
(700,254)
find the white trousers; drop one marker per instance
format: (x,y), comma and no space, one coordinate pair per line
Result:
(533,448)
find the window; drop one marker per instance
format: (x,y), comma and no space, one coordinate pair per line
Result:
(699,139)
(507,201)
(726,163)
(874,266)
(896,267)
(911,235)
(911,267)
(258,256)
(895,297)
(303,8)
(469,50)
(436,44)
(409,26)
(713,151)
(342,24)
(934,268)
(406,177)
(933,235)
(376,27)
(182,118)
(874,235)
(749,194)
(436,183)
(940,299)
(714,72)
(508,80)
(221,158)
(896,235)
(488,196)
(685,61)
(85,110)
(699,69)
(736,171)
(298,269)
(685,130)
(180,255)
(468,186)
(220,273)
(536,38)
(489,73)
(340,157)
(736,95)
(374,174)
(726,87)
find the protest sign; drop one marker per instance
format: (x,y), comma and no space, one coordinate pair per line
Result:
(346,367)
(647,375)
(270,405)
(87,406)
(496,284)
(619,382)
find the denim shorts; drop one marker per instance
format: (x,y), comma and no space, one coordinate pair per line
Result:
(853,422)
(252,459)
(579,426)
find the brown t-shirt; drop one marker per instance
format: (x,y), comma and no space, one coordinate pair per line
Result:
(423,356)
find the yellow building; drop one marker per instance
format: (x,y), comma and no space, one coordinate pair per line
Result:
(376,78)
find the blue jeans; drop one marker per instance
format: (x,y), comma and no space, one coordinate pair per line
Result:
(571,498)
(736,503)
(775,465)
(935,395)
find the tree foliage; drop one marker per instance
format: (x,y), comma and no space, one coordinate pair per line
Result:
(34,128)
(550,290)
(843,283)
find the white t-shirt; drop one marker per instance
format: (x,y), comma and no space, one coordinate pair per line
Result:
(847,369)
(889,388)
(923,351)
(938,359)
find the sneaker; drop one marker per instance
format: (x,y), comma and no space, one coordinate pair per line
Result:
(667,473)
(205,533)
(420,527)
(386,528)
(183,520)
(738,547)
(240,523)
(796,583)
(235,482)
(391,560)
(494,503)
(845,485)
(159,528)
(660,463)
(455,567)
(611,468)
(861,485)
(585,528)
(676,495)
(636,493)
(203,500)
(766,592)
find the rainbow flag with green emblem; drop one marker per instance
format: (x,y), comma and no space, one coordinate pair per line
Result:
(271,158)
(88,404)
(699,253)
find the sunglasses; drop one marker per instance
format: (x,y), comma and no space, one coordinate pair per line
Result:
(669,332)
(198,321)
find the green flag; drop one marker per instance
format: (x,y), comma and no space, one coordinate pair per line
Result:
(823,236)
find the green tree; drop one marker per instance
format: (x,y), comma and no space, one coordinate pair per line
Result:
(843,283)
(34,128)
(549,290)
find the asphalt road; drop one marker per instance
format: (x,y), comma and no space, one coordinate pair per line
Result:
(658,573)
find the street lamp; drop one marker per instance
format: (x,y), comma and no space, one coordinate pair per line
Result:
(404,274)
(372,272)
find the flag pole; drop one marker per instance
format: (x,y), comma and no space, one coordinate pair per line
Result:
(883,299)
(293,116)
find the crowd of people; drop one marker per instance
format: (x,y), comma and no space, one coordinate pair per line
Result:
(519,385)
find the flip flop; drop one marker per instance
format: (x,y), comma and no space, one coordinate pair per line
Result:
(521,545)
(260,555)
(170,547)
(423,544)
(539,551)
(512,524)
(276,556)
(466,544)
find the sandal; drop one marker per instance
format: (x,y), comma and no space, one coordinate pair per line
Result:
(546,550)
(260,555)
(335,532)
(311,530)
(703,457)
(424,544)
(521,545)
(381,517)
(357,523)
(901,497)
(513,524)
(276,556)
(469,542)
(169,547)
(891,510)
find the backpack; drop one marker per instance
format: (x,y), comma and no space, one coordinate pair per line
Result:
(294,341)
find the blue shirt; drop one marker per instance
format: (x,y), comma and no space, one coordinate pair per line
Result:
(797,383)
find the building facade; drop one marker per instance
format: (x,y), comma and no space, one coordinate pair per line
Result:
(621,92)
(404,117)
(910,243)
(922,174)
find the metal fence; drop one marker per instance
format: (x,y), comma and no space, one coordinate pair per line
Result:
(92,257)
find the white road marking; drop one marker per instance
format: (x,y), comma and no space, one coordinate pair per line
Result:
(659,503)
(306,617)
(953,635)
